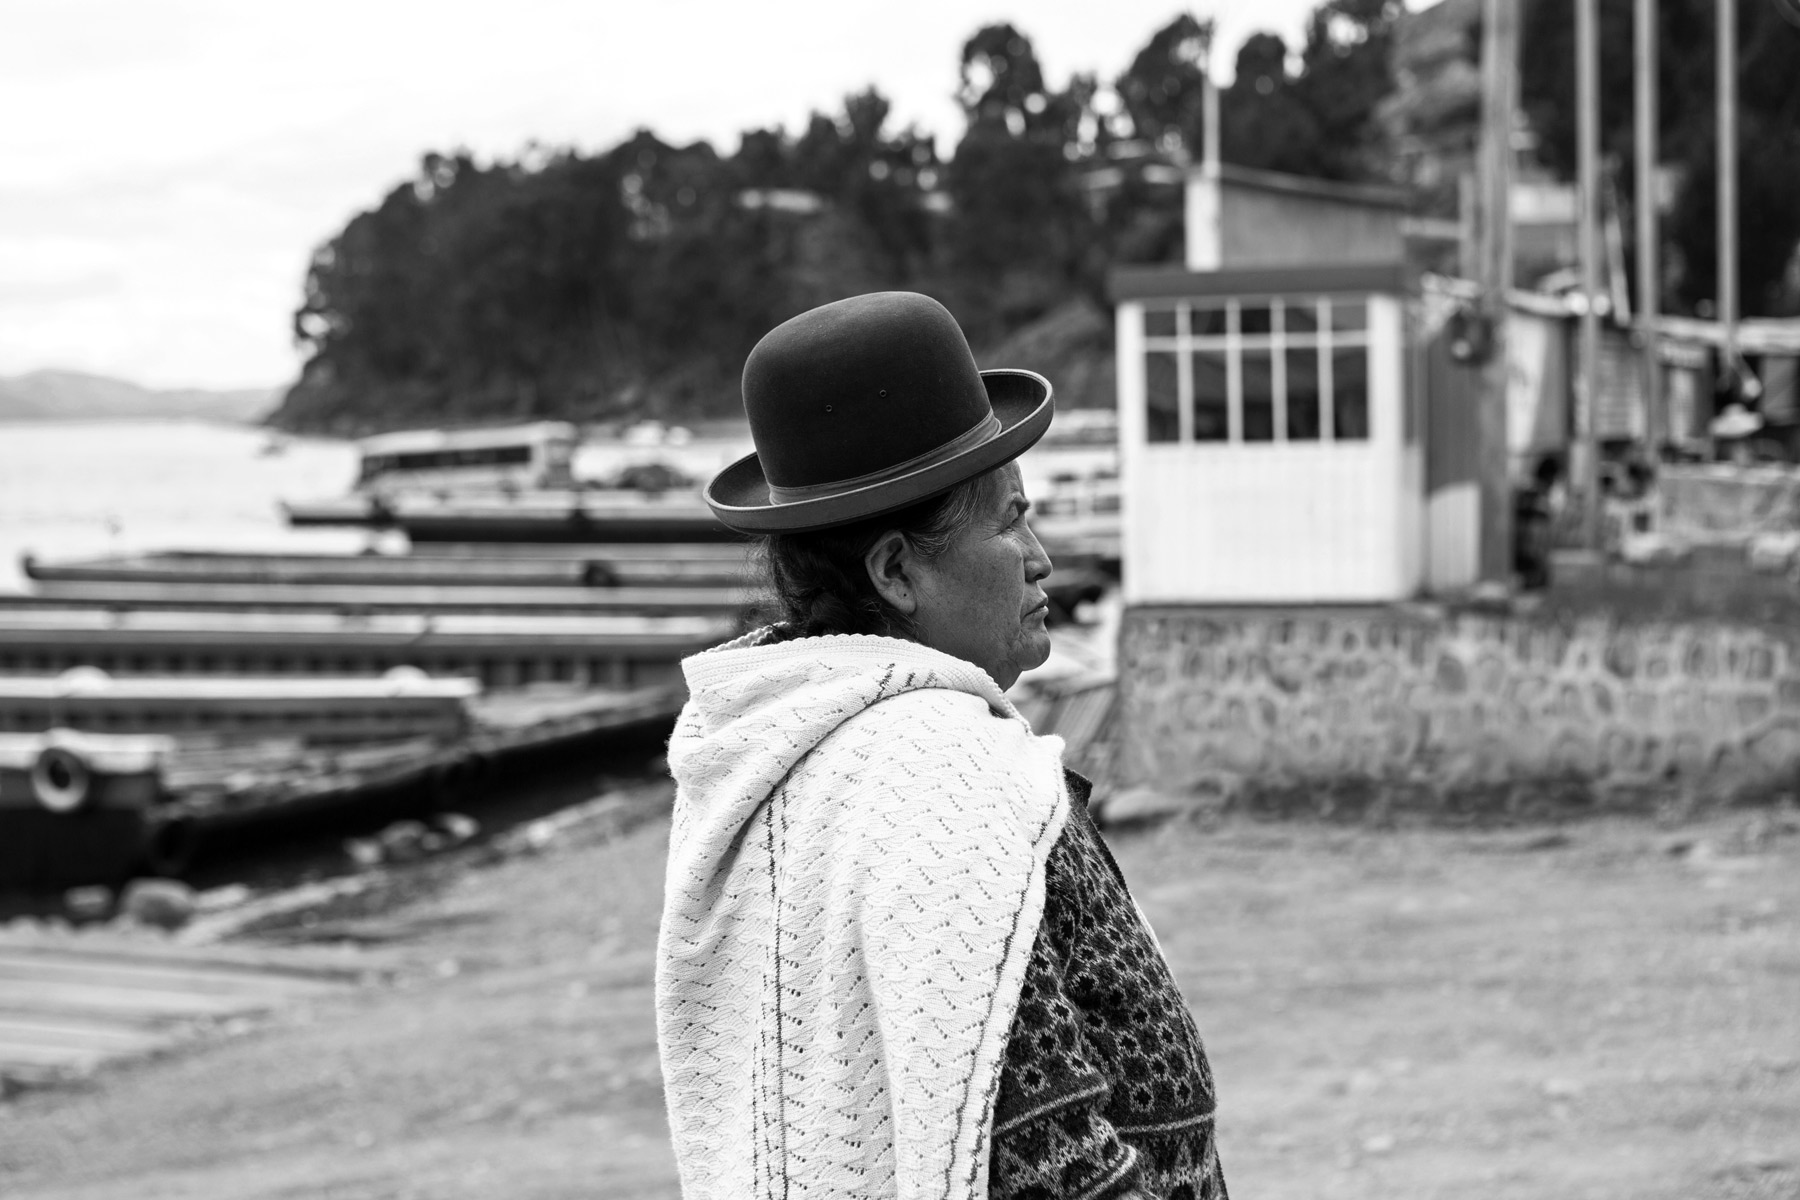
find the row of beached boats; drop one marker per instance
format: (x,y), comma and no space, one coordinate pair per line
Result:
(147,699)
(244,685)
(267,683)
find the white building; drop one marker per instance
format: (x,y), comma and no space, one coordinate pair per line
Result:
(1270,418)
(1269,445)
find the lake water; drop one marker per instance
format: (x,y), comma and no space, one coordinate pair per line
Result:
(84,488)
(77,489)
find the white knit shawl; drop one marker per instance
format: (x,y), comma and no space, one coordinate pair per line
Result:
(856,878)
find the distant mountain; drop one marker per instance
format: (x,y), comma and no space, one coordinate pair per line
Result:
(74,396)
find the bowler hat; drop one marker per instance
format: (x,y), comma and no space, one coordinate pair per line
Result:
(865,406)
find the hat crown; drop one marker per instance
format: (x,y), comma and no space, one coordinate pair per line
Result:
(859,386)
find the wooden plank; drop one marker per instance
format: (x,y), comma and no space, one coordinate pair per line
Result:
(55,1032)
(450,564)
(145,1003)
(609,552)
(20,1022)
(70,1004)
(313,627)
(201,596)
(324,963)
(33,1057)
(38,967)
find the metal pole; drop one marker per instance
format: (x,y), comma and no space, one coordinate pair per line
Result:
(1728,263)
(1649,300)
(1210,154)
(1499,99)
(1586,459)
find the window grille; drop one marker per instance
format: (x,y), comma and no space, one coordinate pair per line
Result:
(1257,370)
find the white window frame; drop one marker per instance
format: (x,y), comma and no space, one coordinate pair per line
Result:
(1324,340)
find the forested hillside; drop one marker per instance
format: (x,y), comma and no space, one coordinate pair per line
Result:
(631,283)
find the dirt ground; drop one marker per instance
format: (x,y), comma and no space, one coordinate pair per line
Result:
(1605,1009)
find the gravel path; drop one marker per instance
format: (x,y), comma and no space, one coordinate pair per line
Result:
(1604,1009)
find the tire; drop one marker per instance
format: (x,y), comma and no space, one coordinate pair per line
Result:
(61,780)
(170,847)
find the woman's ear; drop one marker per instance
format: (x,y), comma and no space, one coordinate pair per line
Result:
(890,566)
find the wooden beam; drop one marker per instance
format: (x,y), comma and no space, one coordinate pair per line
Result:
(1493,223)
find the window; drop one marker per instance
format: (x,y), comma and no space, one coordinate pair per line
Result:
(1212,396)
(1350,393)
(1264,369)
(1162,395)
(1256,367)
(1302,386)
(1208,320)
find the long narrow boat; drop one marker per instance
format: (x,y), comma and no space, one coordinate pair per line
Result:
(401,704)
(448,563)
(550,515)
(501,650)
(540,522)
(83,807)
(376,598)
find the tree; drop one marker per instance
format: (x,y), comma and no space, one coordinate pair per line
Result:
(1163,89)
(1266,121)
(1345,72)
(1318,121)
(634,281)
(1020,229)
(1769,128)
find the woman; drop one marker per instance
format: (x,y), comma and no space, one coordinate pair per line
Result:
(896,959)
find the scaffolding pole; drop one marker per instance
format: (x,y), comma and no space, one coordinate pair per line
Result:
(1728,182)
(1499,99)
(1585,462)
(1649,272)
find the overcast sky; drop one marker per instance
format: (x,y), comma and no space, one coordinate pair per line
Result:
(167,166)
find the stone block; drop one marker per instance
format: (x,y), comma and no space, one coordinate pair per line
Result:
(1142,805)
(159,903)
(1777,748)
(93,903)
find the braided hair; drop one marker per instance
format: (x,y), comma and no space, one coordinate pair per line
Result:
(821,585)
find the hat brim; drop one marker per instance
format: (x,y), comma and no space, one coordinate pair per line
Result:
(1022,402)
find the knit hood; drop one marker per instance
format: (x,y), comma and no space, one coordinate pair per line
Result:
(784,699)
(855,881)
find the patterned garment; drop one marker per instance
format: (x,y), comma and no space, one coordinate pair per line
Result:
(1106,1085)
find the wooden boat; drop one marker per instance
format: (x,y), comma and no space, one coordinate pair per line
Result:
(502,651)
(82,807)
(376,598)
(403,703)
(549,519)
(73,805)
(549,515)
(437,564)
(534,455)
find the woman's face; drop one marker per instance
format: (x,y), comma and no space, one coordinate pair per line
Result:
(980,599)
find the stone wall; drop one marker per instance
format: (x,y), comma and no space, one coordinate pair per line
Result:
(1423,707)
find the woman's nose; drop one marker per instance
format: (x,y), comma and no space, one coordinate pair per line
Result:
(1037,559)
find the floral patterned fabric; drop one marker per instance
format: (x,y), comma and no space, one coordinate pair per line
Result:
(1106,1086)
